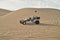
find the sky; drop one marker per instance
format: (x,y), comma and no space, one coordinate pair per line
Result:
(18,4)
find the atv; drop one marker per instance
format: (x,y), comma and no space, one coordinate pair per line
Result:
(34,19)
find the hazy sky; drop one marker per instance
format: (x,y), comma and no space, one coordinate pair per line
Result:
(17,4)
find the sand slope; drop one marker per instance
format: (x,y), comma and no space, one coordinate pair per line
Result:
(3,12)
(49,29)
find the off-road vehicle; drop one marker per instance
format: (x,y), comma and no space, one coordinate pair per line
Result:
(33,19)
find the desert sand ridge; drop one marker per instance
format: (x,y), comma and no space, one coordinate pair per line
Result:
(46,14)
(4,11)
(48,29)
(41,9)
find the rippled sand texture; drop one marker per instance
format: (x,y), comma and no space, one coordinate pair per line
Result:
(48,29)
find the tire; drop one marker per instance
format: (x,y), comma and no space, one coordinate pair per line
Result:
(20,21)
(36,22)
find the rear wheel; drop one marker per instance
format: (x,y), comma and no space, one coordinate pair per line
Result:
(36,22)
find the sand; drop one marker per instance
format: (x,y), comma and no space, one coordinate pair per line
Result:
(4,12)
(48,29)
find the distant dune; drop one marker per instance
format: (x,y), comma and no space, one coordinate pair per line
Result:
(4,11)
(48,29)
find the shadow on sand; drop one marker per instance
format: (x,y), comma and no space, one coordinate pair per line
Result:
(42,24)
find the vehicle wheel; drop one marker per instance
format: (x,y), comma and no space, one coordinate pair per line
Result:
(20,21)
(36,22)
(24,23)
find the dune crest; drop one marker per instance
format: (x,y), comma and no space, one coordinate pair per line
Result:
(4,11)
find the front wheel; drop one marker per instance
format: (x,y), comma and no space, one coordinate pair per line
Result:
(36,22)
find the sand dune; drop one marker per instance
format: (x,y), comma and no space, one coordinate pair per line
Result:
(49,16)
(4,11)
(48,29)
